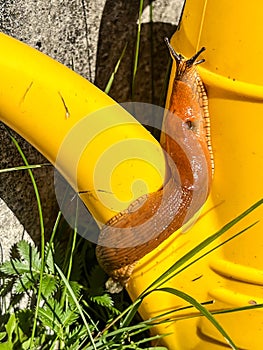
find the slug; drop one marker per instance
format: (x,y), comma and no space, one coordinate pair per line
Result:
(152,218)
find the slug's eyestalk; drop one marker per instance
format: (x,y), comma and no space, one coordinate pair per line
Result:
(183,65)
(192,61)
(178,57)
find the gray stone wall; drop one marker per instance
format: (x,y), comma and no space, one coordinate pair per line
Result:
(88,36)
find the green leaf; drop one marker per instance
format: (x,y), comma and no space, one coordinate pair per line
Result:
(78,332)
(10,327)
(26,344)
(6,269)
(103,300)
(74,346)
(49,286)
(69,317)
(76,289)
(65,281)
(25,283)
(29,254)
(51,316)
(28,262)
(13,268)
(76,337)
(2,335)
(203,311)
(49,258)
(25,318)
(6,346)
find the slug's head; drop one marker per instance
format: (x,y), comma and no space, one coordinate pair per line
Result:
(183,66)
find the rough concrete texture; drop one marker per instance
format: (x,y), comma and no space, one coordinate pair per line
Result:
(88,36)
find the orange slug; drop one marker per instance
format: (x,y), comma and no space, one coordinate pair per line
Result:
(185,139)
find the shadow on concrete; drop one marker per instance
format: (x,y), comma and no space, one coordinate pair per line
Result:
(118,28)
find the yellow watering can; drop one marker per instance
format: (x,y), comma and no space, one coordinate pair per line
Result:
(232,276)
(45,104)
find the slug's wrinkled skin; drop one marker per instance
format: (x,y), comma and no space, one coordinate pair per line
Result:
(154,217)
(189,102)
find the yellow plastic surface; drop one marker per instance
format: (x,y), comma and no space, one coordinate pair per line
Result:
(232,276)
(93,141)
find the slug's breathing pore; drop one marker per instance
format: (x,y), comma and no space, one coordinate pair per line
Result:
(185,139)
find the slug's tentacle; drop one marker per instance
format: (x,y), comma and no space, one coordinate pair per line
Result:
(180,59)
(185,138)
(192,61)
(174,54)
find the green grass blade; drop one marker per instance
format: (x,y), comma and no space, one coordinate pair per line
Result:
(23,167)
(210,251)
(152,51)
(130,311)
(202,245)
(163,317)
(203,311)
(133,330)
(55,227)
(237,309)
(42,233)
(52,237)
(71,253)
(27,166)
(137,48)
(66,282)
(167,274)
(110,82)
(226,311)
